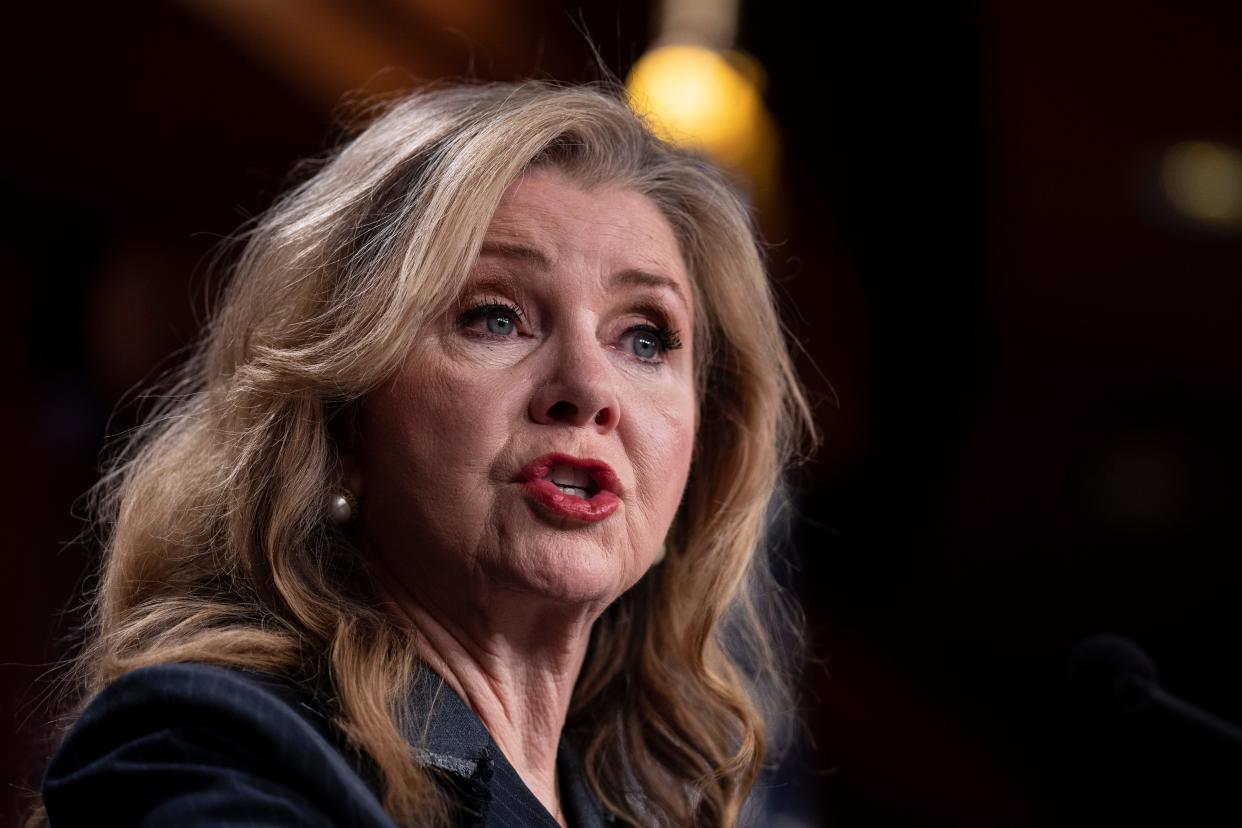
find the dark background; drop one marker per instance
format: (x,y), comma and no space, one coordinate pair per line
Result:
(1025,361)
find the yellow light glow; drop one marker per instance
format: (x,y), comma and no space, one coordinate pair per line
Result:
(711,101)
(694,96)
(1204,181)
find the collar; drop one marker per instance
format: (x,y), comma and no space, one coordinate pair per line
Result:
(449,736)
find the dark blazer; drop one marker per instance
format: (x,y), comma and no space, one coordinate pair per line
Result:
(199,745)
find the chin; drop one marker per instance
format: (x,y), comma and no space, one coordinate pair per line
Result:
(575,574)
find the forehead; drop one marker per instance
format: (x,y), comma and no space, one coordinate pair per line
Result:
(547,218)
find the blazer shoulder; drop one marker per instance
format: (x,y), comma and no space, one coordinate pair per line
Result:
(211,692)
(199,744)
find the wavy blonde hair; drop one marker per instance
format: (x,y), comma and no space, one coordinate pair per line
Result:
(213,519)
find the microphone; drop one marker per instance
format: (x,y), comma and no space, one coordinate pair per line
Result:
(1110,672)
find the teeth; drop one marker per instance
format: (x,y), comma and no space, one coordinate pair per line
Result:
(571,477)
(575,491)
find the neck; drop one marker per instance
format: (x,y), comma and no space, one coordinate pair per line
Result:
(514,667)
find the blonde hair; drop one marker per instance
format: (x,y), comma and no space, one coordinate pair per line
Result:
(216,545)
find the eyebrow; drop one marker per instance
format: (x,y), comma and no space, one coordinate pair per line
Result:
(513,250)
(643,278)
(631,276)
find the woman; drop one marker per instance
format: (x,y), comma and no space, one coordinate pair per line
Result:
(457,517)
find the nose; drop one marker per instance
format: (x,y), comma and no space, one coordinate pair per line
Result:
(578,387)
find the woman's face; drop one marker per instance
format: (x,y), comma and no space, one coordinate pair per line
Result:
(539,437)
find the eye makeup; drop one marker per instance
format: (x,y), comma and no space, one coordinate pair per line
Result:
(651,344)
(648,339)
(507,316)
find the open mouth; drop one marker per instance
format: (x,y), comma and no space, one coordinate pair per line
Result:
(572,487)
(573,480)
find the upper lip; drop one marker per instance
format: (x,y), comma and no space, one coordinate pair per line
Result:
(602,475)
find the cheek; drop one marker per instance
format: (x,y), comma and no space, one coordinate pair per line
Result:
(664,443)
(434,432)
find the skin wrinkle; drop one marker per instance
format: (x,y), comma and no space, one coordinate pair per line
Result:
(500,594)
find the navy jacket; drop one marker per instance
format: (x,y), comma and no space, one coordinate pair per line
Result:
(200,745)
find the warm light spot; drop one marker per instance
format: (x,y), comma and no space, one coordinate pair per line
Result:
(1203,180)
(712,101)
(695,96)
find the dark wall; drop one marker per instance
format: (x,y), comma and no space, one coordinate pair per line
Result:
(1035,361)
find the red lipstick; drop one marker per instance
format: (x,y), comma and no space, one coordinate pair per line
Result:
(601,503)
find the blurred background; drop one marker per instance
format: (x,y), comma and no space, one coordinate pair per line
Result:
(1008,240)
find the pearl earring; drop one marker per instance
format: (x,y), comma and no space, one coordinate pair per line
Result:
(342,506)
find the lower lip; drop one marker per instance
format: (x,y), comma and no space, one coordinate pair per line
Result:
(597,507)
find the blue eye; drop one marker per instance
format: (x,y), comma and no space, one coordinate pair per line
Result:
(651,344)
(498,318)
(500,324)
(645,345)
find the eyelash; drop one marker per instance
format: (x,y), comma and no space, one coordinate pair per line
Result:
(478,312)
(668,338)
